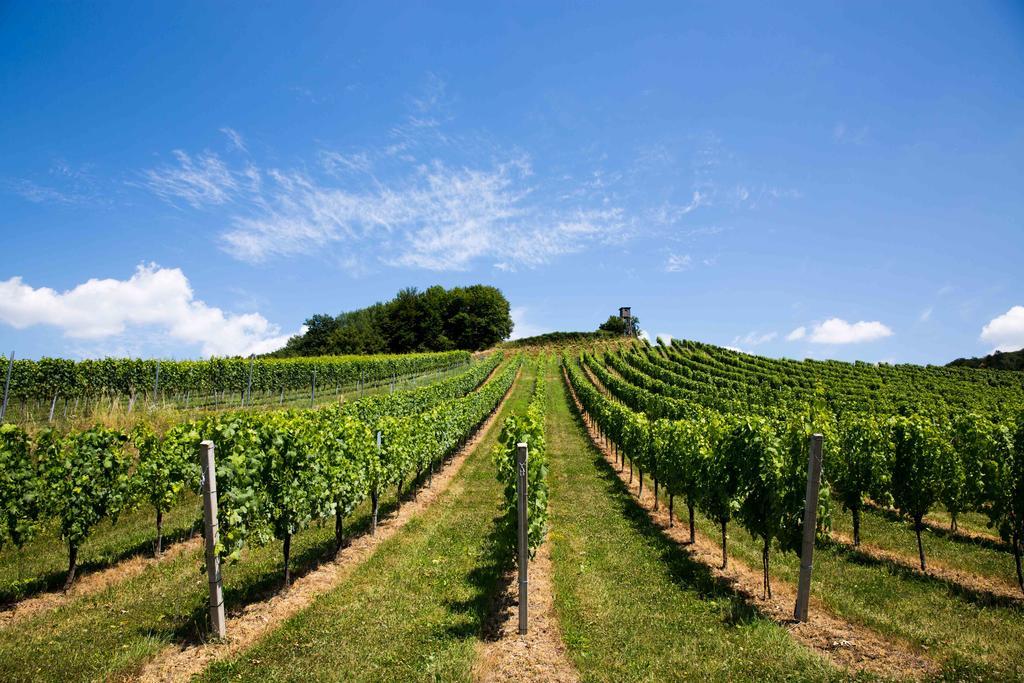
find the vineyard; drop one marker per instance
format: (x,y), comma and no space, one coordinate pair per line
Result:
(367,517)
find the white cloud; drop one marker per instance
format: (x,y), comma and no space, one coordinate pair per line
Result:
(1006,331)
(204,180)
(235,138)
(520,327)
(152,297)
(676,263)
(926,314)
(665,338)
(838,331)
(797,334)
(644,336)
(736,349)
(754,338)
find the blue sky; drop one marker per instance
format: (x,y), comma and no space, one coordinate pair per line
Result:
(836,180)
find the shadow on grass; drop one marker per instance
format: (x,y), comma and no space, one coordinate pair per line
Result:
(53,581)
(942,531)
(194,628)
(974,596)
(686,572)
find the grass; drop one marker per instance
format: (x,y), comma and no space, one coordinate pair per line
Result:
(113,632)
(41,565)
(633,605)
(974,636)
(885,530)
(415,610)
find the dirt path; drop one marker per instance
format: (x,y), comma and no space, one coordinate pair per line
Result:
(539,655)
(845,644)
(92,582)
(992,588)
(249,624)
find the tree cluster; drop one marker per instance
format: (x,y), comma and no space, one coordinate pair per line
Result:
(436,319)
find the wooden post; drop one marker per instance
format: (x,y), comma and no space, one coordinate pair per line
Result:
(803,595)
(53,406)
(7,386)
(312,391)
(524,547)
(209,473)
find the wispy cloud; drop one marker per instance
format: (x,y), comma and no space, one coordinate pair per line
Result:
(235,138)
(846,134)
(421,196)
(202,180)
(670,214)
(676,263)
(66,184)
(436,218)
(41,194)
(754,338)
(926,314)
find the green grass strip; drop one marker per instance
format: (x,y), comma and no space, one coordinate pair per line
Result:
(415,610)
(632,605)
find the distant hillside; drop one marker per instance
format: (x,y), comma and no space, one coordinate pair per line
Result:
(1010,360)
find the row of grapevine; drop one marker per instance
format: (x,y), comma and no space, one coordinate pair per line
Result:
(962,460)
(744,468)
(845,386)
(528,428)
(47,377)
(276,471)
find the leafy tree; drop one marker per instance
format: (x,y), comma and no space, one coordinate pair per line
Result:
(478,317)
(19,487)
(616,325)
(916,473)
(85,477)
(436,319)
(317,339)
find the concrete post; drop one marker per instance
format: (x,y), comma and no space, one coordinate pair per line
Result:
(803,595)
(524,546)
(218,627)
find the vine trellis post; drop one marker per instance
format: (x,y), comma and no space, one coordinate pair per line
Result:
(803,594)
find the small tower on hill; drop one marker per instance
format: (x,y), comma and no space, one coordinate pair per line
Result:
(627,320)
